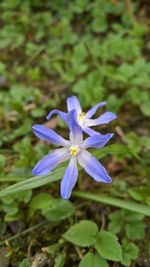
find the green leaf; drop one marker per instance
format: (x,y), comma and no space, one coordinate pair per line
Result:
(11,217)
(25,263)
(33,182)
(145,108)
(140,192)
(129,252)
(108,246)
(93,260)
(60,260)
(117,202)
(2,161)
(117,220)
(82,234)
(40,201)
(10,209)
(132,216)
(58,210)
(10,179)
(135,230)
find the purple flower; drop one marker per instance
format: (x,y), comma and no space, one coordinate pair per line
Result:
(84,119)
(73,150)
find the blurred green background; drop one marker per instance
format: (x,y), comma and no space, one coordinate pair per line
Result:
(98,50)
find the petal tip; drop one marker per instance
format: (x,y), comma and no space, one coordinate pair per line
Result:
(33,128)
(48,117)
(115,116)
(109,181)
(65,196)
(34,172)
(111,135)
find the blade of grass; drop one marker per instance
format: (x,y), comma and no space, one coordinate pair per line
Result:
(11,179)
(33,182)
(117,202)
(21,234)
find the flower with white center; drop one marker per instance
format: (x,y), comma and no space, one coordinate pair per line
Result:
(84,119)
(75,151)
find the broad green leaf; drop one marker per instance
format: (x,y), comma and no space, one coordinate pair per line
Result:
(117,220)
(135,230)
(60,260)
(82,234)
(129,252)
(40,201)
(11,217)
(107,246)
(132,216)
(140,193)
(25,263)
(117,202)
(93,260)
(145,108)
(10,209)
(131,220)
(58,210)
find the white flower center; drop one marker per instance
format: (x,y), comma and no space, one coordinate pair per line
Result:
(74,149)
(80,118)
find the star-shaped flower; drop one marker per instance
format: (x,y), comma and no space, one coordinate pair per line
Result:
(84,119)
(73,150)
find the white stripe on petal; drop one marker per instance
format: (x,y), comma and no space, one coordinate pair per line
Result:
(49,135)
(73,103)
(93,167)
(103,119)
(96,141)
(51,161)
(69,179)
(76,134)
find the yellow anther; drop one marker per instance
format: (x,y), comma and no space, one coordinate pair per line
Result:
(81,117)
(73,150)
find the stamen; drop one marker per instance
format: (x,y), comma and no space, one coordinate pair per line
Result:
(73,150)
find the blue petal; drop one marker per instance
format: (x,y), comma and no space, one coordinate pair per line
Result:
(93,110)
(93,167)
(96,141)
(49,135)
(69,179)
(55,111)
(73,103)
(50,161)
(90,131)
(76,134)
(103,119)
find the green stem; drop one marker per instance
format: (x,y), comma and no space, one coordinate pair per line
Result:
(117,202)
(32,228)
